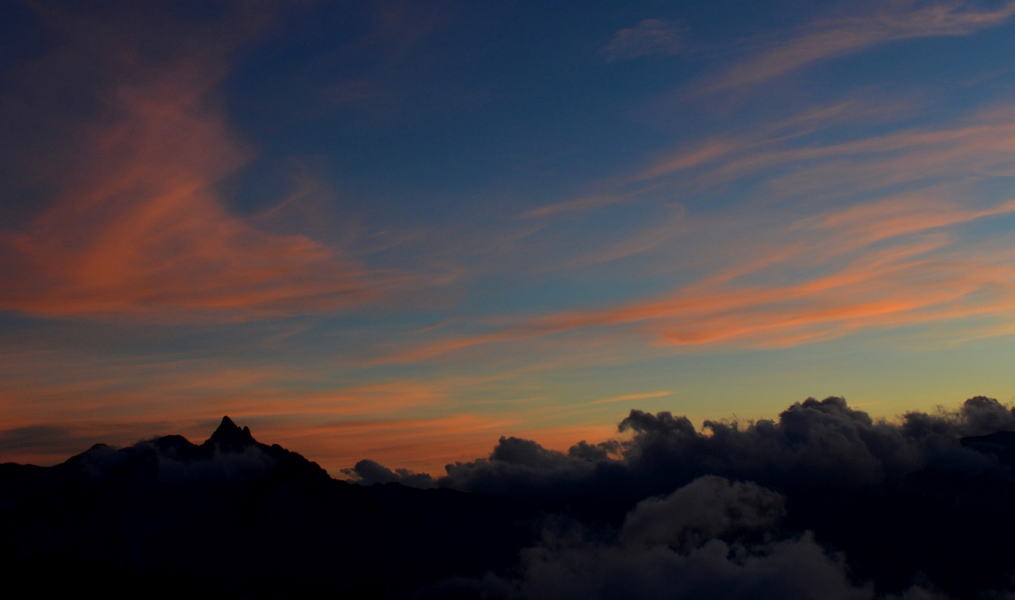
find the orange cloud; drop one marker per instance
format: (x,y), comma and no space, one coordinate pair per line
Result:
(917,278)
(135,225)
(983,144)
(574,205)
(707,152)
(630,397)
(95,401)
(869,222)
(183,391)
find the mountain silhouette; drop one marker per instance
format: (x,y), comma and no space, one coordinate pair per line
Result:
(234,517)
(229,433)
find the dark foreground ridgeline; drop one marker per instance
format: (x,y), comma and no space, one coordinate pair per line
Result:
(235,518)
(822,503)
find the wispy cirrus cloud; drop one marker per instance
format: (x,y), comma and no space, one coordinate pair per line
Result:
(135,224)
(979,144)
(873,215)
(574,205)
(883,263)
(649,37)
(710,158)
(831,38)
(886,185)
(632,397)
(62,403)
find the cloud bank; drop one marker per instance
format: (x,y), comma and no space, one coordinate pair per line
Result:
(821,502)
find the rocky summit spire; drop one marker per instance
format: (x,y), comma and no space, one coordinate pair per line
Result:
(229,435)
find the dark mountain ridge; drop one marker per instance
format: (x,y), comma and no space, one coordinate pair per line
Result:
(236,518)
(823,503)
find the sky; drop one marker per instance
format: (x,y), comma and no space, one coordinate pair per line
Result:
(402,230)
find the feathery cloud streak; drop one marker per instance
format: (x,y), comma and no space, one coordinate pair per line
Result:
(648,37)
(919,278)
(135,223)
(831,38)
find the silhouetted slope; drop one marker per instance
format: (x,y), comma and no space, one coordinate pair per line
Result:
(236,518)
(823,502)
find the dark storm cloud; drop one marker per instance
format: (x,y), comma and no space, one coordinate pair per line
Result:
(368,472)
(822,502)
(685,545)
(712,538)
(812,443)
(701,510)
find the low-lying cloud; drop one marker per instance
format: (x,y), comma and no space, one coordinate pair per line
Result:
(822,502)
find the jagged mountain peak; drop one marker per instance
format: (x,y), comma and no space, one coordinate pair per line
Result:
(230,434)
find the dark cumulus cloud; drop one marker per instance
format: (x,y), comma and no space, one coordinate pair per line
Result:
(369,472)
(821,502)
(712,538)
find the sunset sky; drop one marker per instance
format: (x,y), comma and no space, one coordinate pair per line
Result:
(401,230)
